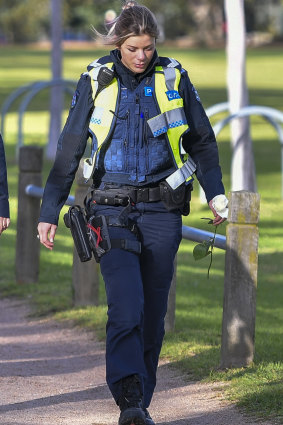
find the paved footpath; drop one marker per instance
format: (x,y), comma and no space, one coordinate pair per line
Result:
(51,374)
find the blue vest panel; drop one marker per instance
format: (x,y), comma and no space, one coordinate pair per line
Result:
(134,156)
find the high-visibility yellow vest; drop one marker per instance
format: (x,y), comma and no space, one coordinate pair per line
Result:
(171,120)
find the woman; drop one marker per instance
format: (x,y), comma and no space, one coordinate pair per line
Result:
(137,107)
(4,197)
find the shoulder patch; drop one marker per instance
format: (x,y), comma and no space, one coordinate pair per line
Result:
(196,93)
(75,99)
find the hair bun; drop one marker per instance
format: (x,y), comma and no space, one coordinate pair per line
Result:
(129,4)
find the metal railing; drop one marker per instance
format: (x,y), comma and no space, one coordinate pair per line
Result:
(28,92)
(273,116)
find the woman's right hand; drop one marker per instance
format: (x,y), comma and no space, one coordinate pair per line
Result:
(46,232)
(4,224)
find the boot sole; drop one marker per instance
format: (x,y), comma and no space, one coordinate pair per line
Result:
(132,417)
(133,421)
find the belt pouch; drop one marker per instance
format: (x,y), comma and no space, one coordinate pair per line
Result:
(176,199)
(75,220)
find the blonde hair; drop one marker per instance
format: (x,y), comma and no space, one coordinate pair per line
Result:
(134,20)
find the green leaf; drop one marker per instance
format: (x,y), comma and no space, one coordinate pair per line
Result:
(201,250)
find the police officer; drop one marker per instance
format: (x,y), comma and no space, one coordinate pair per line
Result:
(149,136)
(4,197)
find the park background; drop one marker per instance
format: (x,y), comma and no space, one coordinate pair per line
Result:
(197,40)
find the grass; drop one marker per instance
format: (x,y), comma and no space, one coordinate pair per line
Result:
(194,347)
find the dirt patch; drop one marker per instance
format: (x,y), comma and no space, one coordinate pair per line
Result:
(55,375)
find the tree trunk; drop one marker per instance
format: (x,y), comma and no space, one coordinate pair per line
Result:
(56,94)
(243,167)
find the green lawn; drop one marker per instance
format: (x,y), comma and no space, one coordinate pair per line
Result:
(195,345)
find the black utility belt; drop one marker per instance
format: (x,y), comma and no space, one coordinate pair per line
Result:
(124,195)
(173,199)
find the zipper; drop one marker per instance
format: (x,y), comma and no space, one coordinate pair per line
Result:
(125,142)
(145,138)
(145,126)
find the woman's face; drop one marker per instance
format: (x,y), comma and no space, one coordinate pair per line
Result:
(137,52)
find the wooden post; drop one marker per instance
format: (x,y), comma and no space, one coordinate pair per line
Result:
(85,275)
(171,306)
(56,92)
(241,263)
(27,245)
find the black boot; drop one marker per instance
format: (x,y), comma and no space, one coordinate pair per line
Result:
(130,402)
(148,418)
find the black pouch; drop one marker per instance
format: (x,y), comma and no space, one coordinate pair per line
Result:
(75,220)
(176,199)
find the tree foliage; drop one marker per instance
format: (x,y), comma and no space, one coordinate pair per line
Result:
(29,20)
(23,20)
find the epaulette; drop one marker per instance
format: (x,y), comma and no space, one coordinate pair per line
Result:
(98,62)
(169,62)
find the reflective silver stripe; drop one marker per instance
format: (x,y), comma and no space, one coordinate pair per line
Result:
(95,63)
(170,77)
(158,124)
(94,74)
(182,174)
(170,119)
(173,63)
(96,115)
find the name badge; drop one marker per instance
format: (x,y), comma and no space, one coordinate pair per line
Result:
(173,94)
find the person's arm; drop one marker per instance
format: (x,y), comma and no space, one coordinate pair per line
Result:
(4,196)
(70,149)
(200,143)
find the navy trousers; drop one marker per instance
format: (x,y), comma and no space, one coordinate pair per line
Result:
(137,288)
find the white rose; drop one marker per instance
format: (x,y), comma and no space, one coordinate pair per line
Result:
(219,203)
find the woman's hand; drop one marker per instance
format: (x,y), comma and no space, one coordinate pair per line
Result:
(217,218)
(219,207)
(46,232)
(4,224)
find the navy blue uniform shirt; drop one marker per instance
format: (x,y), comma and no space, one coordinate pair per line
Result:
(199,142)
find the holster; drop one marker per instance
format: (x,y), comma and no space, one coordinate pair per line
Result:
(75,220)
(176,199)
